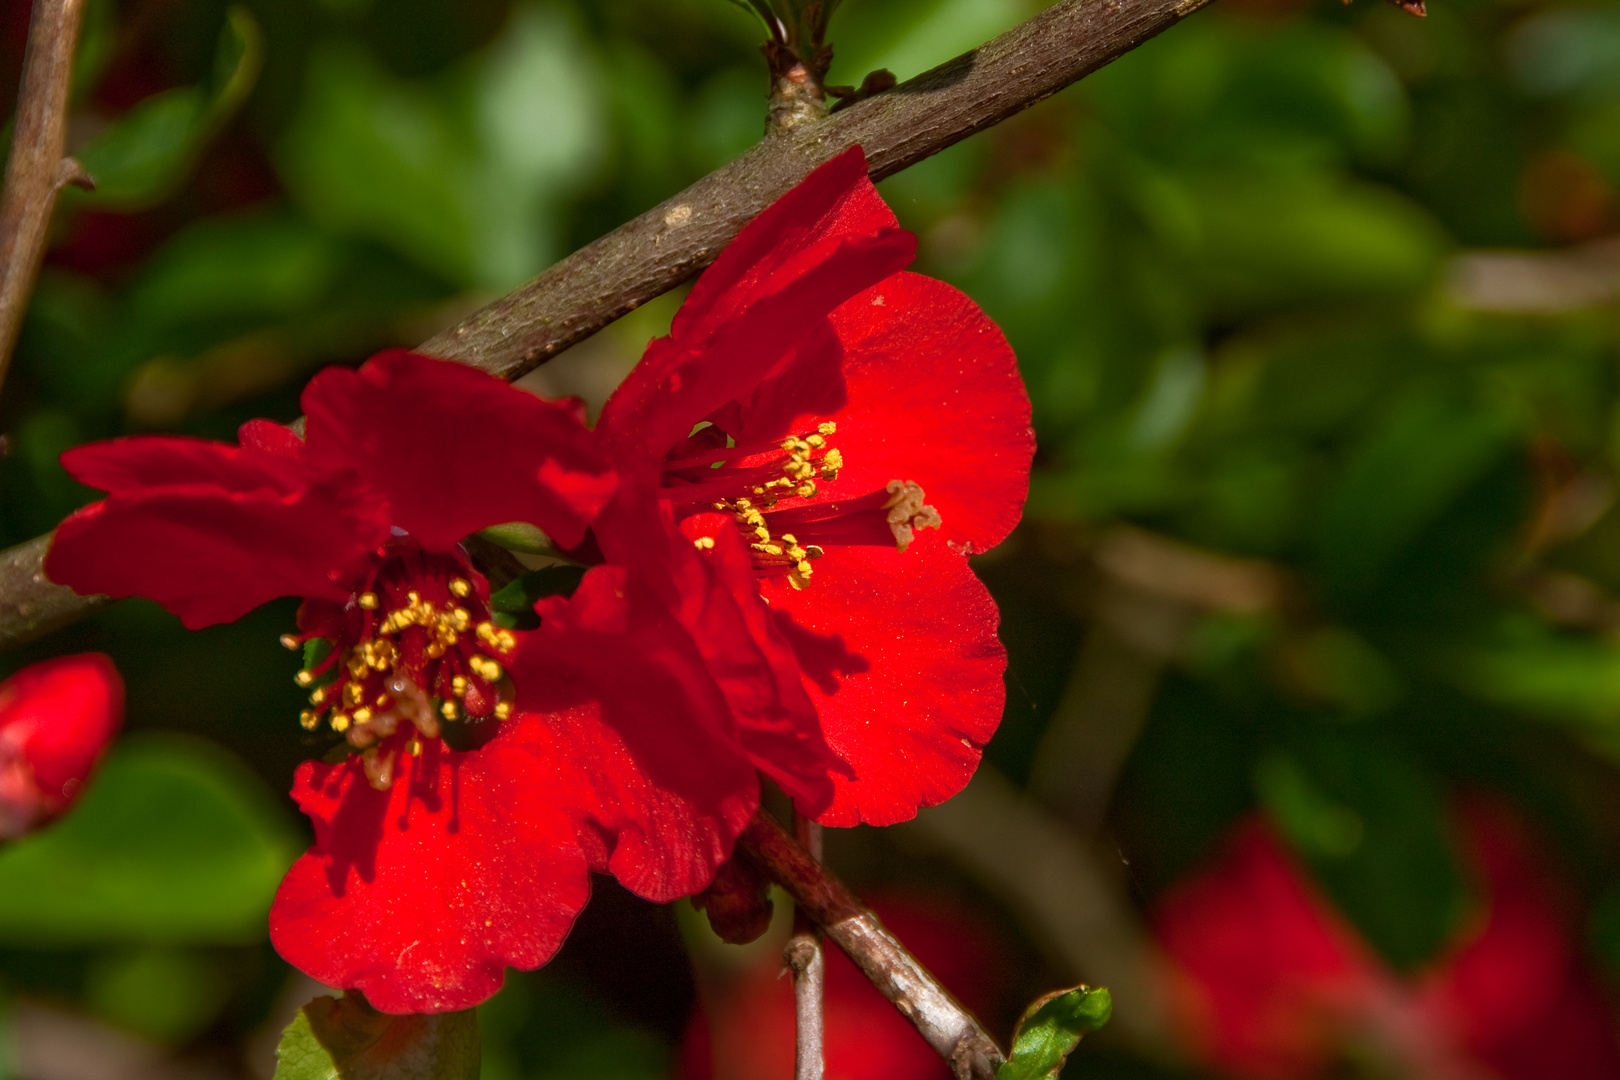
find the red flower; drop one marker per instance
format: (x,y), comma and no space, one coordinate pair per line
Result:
(435,865)
(56,718)
(806,463)
(1276,985)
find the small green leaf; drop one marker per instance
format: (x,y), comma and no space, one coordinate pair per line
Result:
(143,155)
(513,606)
(519,536)
(173,842)
(1051,1028)
(346,1038)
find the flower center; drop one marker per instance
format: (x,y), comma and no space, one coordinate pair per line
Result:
(766,489)
(416,646)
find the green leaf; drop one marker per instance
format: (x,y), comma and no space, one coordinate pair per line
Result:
(520,536)
(514,605)
(1369,819)
(346,1038)
(144,154)
(1051,1028)
(174,841)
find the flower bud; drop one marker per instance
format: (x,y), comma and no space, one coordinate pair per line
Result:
(56,718)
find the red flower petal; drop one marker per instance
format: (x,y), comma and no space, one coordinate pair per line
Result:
(156,461)
(210,531)
(422,895)
(455,450)
(1275,975)
(275,439)
(56,718)
(757,670)
(900,656)
(824,241)
(931,394)
(664,790)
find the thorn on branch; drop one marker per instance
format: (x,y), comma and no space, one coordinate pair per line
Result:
(71,174)
(875,83)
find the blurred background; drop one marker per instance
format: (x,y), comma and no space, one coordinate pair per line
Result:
(1312,741)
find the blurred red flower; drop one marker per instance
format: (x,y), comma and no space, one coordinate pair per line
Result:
(56,719)
(745,1029)
(434,866)
(1276,985)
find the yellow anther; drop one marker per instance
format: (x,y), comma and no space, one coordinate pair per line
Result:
(414,597)
(340,722)
(434,650)
(814,552)
(309,718)
(304,678)
(703,543)
(414,747)
(827,428)
(763,533)
(383,701)
(353,694)
(368,601)
(815,442)
(505,641)
(789,538)
(806,491)
(458,686)
(503,710)
(318,697)
(832,459)
(289,642)
(460,618)
(363,716)
(460,586)
(450,711)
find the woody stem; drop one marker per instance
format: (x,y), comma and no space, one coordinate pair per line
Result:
(36,170)
(809,966)
(949,1028)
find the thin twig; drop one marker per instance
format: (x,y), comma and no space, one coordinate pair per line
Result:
(809,966)
(657,251)
(37,168)
(949,1028)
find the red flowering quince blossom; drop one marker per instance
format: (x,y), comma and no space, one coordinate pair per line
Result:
(806,463)
(437,861)
(56,719)
(1275,985)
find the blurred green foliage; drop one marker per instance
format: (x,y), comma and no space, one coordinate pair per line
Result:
(1247,273)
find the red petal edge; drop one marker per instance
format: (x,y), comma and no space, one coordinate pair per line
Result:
(455,450)
(900,655)
(422,895)
(827,239)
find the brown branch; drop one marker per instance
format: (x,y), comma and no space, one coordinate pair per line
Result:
(950,1029)
(805,959)
(37,169)
(650,255)
(657,251)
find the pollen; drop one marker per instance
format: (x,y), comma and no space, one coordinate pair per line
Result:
(413,650)
(704,543)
